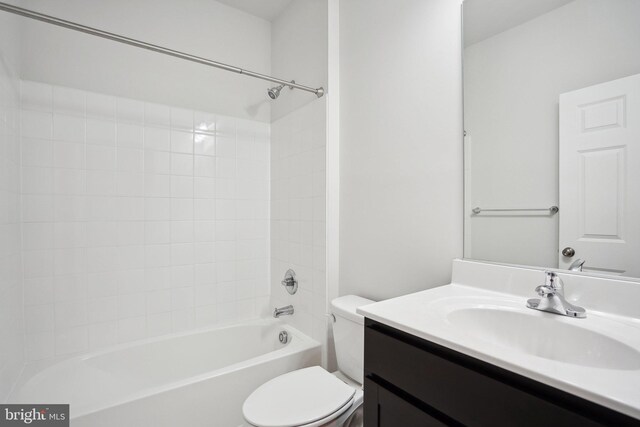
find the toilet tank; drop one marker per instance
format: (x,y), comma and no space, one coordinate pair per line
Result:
(348,335)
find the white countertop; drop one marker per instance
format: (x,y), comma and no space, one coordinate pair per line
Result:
(426,315)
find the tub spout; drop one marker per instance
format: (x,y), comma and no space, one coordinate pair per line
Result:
(283,311)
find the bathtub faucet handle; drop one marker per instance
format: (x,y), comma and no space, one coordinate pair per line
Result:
(290,282)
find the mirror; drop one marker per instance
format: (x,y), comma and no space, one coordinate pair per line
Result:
(552,133)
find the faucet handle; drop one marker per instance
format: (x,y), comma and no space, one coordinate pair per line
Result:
(553,281)
(544,290)
(290,282)
(550,278)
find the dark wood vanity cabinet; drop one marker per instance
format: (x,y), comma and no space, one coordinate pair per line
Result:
(413,382)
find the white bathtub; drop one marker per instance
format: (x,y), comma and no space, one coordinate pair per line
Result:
(195,379)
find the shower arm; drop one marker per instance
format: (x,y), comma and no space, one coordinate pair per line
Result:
(319,92)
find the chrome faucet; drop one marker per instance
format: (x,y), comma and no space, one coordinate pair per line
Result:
(577,265)
(552,298)
(283,311)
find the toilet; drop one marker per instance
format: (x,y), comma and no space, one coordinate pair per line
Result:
(313,397)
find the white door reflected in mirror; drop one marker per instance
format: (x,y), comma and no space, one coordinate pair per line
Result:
(600,177)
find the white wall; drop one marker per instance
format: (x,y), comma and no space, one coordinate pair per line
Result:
(299,51)
(11,291)
(401,145)
(139,219)
(512,84)
(200,27)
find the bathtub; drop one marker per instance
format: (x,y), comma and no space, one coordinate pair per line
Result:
(193,379)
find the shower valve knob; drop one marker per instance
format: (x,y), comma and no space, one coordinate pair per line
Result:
(290,282)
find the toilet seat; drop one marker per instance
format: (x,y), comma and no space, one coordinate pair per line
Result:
(306,397)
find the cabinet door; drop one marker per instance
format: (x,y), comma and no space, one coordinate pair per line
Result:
(474,393)
(390,410)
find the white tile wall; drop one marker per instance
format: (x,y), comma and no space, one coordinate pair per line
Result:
(298,204)
(138,219)
(11,306)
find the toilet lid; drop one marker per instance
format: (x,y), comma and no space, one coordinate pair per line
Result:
(296,398)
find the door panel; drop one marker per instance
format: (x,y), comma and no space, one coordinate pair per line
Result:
(600,177)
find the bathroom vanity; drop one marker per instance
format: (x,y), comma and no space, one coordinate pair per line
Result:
(471,353)
(417,382)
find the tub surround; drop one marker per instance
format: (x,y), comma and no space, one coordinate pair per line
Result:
(298,227)
(607,377)
(138,219)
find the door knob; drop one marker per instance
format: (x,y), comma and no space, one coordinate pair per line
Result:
(568,252)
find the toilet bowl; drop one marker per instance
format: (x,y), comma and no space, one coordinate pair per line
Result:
(313,397)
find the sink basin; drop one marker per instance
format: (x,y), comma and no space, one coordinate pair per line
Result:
(544,335)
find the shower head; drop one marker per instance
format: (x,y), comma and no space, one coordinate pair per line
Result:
(274,92)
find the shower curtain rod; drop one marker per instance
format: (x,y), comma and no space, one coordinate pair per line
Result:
(152,47)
